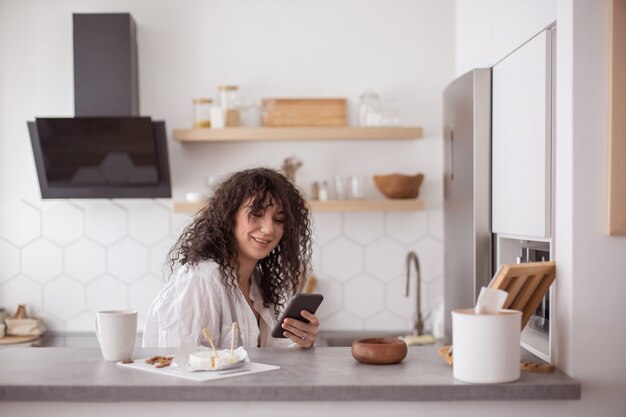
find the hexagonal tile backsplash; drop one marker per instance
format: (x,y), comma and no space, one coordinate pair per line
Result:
(69,259)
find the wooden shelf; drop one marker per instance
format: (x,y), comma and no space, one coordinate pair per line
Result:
(367,205)
(295,133)
(335,205)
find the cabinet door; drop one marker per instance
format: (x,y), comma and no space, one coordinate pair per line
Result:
(521,140)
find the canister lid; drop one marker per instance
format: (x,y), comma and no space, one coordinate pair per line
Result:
(202,101)
(228,87)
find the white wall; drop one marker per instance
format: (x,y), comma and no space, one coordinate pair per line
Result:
(69,258)
(591,266)
(498,26)
(598,264)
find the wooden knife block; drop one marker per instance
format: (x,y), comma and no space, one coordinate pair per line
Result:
(526,285)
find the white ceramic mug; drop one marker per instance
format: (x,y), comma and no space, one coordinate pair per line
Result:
(486,346)
(116,331)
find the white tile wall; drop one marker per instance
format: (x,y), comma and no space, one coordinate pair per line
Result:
(128,259)
(105,232)
(19,223)
(111,255)
(63,297)
(84,260)
(9,261)
(358,297)
(384,258)
(106,293)
(24,289)
(42,260)
(62,223)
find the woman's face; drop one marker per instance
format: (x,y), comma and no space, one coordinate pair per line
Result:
(258,233)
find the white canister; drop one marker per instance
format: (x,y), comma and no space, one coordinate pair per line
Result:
(217,117)
(486,346)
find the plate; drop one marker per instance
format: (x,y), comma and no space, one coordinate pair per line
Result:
(174,371)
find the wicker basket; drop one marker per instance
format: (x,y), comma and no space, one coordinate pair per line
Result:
(398,185)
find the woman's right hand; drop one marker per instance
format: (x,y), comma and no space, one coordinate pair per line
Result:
(301,333)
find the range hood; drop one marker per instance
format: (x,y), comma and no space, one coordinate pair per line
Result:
(106,150)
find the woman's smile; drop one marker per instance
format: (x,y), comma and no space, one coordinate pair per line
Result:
(262,242)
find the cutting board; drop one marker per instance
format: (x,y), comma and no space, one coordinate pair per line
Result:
(200,376)
(526,285)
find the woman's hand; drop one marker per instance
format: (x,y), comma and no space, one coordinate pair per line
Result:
(301,333)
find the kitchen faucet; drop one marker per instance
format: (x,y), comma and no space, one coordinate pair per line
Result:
(411,258)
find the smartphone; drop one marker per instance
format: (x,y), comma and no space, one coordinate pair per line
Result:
(308,302)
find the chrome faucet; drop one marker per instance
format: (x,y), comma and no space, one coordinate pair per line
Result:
(411,257)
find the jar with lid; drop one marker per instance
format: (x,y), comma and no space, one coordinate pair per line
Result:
(369,109)
(229,101)
(202,112)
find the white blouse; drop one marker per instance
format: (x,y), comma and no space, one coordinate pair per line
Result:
(196,298)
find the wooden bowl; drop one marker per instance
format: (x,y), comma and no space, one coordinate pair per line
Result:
(379,351)
(399,185)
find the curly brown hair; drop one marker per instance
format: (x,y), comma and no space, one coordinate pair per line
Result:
(211,233)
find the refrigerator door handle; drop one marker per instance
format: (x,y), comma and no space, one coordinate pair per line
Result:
(451,153)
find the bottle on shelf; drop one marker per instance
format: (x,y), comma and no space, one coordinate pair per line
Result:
(202,112)
(369,109)
(229,100)
(315,190)
(323,191)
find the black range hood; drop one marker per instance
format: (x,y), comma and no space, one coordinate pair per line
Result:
(107,150)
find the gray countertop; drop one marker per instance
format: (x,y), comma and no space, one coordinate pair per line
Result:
(320,374)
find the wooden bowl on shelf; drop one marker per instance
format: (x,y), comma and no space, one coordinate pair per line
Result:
(379,351)
(399,185)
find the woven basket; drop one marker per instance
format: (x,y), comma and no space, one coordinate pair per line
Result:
(398,185)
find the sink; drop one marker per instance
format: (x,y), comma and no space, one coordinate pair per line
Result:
(345,338)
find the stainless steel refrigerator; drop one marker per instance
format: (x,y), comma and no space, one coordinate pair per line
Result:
(467,190)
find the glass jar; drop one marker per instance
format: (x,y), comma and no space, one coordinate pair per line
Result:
(369,109)
(250,114)
(229,96)
(202,112)
(229,101)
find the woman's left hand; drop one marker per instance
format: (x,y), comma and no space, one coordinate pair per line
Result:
(301,333)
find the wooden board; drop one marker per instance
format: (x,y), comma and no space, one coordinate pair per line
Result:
(304,112)
(617,141)
(526,285)
(10,340)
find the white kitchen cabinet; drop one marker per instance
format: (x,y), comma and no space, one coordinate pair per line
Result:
(522,140)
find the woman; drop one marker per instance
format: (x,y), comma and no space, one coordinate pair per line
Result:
(241,258)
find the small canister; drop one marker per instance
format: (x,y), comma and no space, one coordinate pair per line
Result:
(202,112)
(229,96)
(229,102)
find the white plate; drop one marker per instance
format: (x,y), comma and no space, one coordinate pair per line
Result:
(249,368)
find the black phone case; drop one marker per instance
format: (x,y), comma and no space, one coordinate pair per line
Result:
(308,302)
